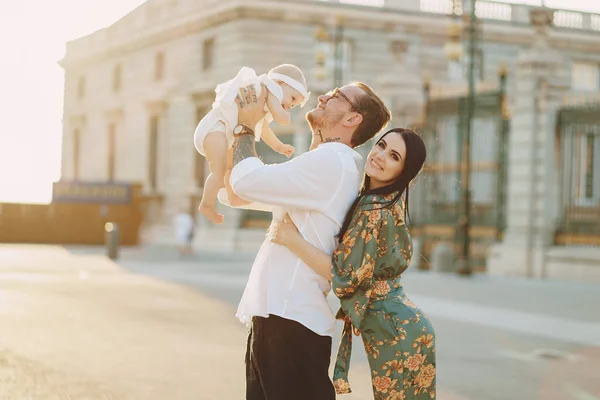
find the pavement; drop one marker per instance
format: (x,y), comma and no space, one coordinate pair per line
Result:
(75,325)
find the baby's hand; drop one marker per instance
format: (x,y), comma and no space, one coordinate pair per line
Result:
(286,149)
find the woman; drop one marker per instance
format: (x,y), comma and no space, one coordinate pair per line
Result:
(375,248)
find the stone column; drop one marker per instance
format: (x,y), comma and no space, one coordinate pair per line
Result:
(72,148)
(179,156)
(540,83)
(154,228)
(115,117)
(402,89)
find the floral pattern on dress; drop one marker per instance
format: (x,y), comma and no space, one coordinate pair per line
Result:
(399,339)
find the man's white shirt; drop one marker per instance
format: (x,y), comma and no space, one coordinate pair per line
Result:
(316,189)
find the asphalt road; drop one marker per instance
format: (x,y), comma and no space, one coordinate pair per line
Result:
(74,325)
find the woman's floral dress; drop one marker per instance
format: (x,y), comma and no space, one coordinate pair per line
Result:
(398,337)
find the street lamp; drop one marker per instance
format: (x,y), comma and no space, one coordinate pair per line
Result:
(454,52)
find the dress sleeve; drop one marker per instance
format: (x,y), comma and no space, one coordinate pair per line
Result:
(355,259)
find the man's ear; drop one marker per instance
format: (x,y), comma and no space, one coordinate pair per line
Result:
(354,120)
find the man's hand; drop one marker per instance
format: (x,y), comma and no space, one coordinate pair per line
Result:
(251,108)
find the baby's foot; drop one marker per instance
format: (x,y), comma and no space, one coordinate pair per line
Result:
(211,213)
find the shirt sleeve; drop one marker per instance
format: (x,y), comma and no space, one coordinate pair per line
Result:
(307,181)
(363,246)
(224,199)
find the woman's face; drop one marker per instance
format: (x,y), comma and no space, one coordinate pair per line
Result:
(385,162)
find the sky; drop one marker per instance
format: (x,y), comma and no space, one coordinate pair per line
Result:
(33,34)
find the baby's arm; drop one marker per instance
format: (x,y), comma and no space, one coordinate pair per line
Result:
(280,116)
(268,136)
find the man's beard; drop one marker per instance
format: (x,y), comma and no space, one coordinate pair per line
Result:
(314,121)
(321,123)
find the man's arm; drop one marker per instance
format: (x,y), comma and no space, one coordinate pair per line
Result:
(243,147)
(307,182)
(224,199)
(250,111)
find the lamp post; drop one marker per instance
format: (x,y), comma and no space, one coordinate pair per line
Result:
(454,51)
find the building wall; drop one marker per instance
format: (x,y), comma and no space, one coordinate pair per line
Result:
(259,36)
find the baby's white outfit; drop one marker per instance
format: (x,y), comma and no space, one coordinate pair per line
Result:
(224,114)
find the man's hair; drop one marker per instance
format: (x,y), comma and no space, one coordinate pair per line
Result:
(375,115)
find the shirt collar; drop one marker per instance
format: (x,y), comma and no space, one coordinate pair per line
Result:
(341,148)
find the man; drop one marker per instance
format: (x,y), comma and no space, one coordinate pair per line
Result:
(291,324)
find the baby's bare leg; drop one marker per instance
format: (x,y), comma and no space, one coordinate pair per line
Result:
(215,147)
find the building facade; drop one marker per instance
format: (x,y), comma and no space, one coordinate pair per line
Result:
(135,91)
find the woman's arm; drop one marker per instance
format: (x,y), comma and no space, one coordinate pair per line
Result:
(316,259)
(287,234)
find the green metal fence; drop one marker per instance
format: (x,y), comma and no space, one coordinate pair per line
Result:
(578,142)
(440,197)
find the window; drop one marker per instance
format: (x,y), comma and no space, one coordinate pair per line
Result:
(76,150)
(208,47)
(111,152)
(585,76)
(81,87)
(153,152)
(589,180)
(444,155)
(159,66)
(117,78)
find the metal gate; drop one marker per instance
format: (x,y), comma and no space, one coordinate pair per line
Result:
(439,198)
(578,144)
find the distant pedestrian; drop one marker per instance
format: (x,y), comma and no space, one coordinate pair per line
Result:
(184,232)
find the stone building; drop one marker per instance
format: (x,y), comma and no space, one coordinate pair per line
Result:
(135,91)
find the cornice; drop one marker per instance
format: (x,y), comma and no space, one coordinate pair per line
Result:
(432,28)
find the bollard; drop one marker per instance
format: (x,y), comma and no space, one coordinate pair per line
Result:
(111,240)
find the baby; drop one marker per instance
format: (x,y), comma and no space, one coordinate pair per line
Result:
(286,88)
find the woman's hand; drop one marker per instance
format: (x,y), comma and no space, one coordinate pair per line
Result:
(285,232)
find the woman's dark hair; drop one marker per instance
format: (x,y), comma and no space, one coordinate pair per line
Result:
(413,162)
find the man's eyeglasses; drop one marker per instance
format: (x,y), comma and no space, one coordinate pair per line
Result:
(336,91)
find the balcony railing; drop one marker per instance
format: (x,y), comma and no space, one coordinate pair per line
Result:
(514,13)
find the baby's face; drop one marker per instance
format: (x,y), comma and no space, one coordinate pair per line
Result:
(291,97)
